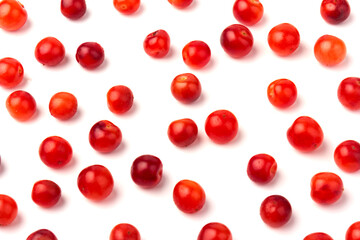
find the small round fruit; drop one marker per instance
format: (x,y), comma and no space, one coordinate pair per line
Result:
(180,3)
(63,105)
(347,156)
(126,7)
(275,211)
(12,15)
(318,236)
(196,54)
(55,152)
(11,72)
(146,171)
(189,196)
(73,9)
(326,188)
(8,210)
(329,50)
(284,39)
(95,182)
(305,134)
(215,231)
(157,44)
(42,234)
(186,88)
(46,193)
(104,136)
(248,12)
(282,93)
(182,132)
(349,93)
(221,126)
(236,40)
(335,11)
(353,232)
(90,55)
(21,105)
(119,99)
(124,231)
(261,168)
(49,51)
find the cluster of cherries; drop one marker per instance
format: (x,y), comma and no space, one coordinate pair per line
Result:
(96,183)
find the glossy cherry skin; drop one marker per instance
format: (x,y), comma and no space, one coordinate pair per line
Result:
(329,50)
(95,182)
(305,134)
(275,211)
(124,231)
(347,156)
(326,188)
(42,234)
(146,171)
(49,51)
(282,93)
(157,44)
(55,152)
(236,40)
(196,54)
(334,11)
(12,15)
(182,132)
(284,39)
(126,7)
(46,193)
(349,93)
(353,232)
(221,126)
(90,55)
(186,88)
(8,210)
(21,105)
(73,9)
(104,136)
(318,236)
(11,72)
(119,99)
(248,12)
(215,231)
(180,3)
(189,196)
(63,105)
(261,168)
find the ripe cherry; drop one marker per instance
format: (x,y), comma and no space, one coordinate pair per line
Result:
(42,234)
(282,93)
(353,232)
(275,211)
(157,44)
(46,193)
(8,210)
(284,39)
(124,231)
(12,15)
(215,231)
(196,54)
(347,156)
(126,7)
(248,12)
(305,134)
(104,136)
(318,236)
(180,3)
(63,105)
(349,93)
(221,126)
(326,188)
(182,132)
(261,168)
(146,171)
(335,11)
(119,99)
(55,152)
(90,55)
(236,40)
(21,105)
(95,182)
(186,88)
(73,9)
(189,196)
(11,72)
(49,51)
(329,50)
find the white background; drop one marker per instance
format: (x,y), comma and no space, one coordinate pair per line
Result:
(237,85)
